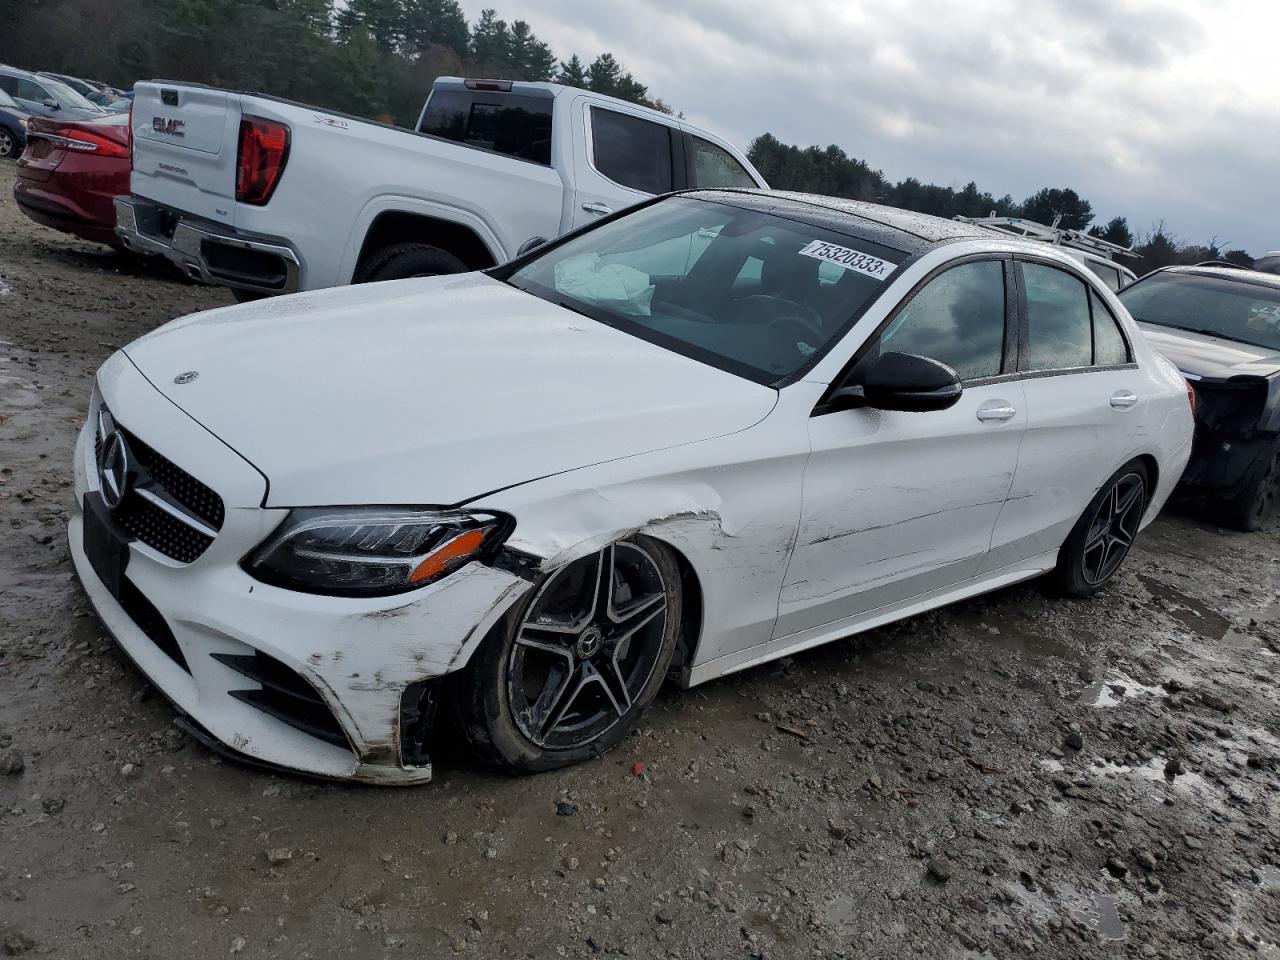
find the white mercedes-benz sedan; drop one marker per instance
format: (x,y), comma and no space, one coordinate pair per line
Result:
(715,429)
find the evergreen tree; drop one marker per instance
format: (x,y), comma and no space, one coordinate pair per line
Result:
(572,73)
(604,74)
(434,23)
(1044,205)
(490,42)
(528,58)
(1116,231)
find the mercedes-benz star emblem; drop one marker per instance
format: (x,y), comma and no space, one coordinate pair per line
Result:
(113,469)
(186,377)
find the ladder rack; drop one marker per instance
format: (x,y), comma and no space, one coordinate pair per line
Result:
(1062,237)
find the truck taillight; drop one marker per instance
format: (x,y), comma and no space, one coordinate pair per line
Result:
(264,148)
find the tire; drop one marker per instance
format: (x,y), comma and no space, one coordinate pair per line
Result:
(1250,510)
(403,260)
(505,701)
(1119,504)
(8,144)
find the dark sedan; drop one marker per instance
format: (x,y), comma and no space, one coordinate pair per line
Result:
(1221,326)
(13,127)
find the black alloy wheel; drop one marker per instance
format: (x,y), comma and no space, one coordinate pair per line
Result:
(587,647)
(1114,528)
(568,672)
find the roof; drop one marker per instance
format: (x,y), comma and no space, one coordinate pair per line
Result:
(1241,274)
(891,226)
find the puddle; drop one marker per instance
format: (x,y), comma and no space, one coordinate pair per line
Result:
(5,289)
(1105,918)
(1116,689)
(1187,611)
(1153,772)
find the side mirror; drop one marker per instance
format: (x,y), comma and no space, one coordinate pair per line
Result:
(51,103)
(533,243)
(903,381)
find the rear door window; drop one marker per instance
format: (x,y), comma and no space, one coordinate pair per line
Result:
(714,166)
(510,124)
(1059,329)
(630,151)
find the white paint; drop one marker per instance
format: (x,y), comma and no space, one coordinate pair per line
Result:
(800,529)
(342,174)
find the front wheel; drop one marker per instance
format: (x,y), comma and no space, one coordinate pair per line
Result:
(567,674)
(404,260)
(1256,503)
(8,144)
(1104,534)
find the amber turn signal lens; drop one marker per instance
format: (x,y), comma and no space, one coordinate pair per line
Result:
(460,547)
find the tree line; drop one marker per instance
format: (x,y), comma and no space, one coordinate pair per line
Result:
(378,58)
(372,58)
(832,172)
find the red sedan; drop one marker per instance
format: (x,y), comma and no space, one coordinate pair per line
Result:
(70,172)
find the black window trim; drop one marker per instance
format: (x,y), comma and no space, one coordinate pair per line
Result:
(1024,322)
(1008,370)
(678,175)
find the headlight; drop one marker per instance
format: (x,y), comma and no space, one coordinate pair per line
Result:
(372,551)
(22,122)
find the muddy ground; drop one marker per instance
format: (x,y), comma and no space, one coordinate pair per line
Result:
(1015,776)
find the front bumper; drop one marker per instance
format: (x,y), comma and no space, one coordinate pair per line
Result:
(359,658)
(206,251)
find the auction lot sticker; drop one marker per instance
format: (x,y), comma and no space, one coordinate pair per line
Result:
(848,258)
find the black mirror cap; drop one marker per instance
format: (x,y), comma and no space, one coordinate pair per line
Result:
(911,383)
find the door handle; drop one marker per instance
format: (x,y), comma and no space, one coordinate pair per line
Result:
(599,208)
(1123,399)
(996,411)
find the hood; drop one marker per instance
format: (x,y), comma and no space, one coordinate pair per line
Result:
(431,391)
(1211,357)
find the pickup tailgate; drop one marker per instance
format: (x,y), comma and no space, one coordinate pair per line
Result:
(184,148)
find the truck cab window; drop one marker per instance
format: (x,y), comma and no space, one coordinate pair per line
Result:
(510,124)
(632,152)
(715,167)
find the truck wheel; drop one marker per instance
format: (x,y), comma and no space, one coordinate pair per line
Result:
(8,144)
(403,260)
(1256,503)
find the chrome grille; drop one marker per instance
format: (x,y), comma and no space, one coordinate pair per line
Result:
(164,506)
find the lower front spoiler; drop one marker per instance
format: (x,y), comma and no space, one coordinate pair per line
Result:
(207,251)
(253,738)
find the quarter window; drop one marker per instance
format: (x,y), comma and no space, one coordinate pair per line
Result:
(632,152)
(1109,274)
(715,167)
(1108,342)
(957,319)
(1058,325)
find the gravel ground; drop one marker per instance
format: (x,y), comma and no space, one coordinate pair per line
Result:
(1014,776)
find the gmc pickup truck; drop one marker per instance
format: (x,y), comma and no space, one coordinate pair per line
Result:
(267,196)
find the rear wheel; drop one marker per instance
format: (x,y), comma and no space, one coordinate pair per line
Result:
(568,673)
(8,144)
(403,260)
(1256,504)
(1104,534)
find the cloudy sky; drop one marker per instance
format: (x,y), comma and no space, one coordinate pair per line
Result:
(1151,109)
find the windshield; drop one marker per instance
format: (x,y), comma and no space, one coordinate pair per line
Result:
(1218,306)
(66,96)
(746,291)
